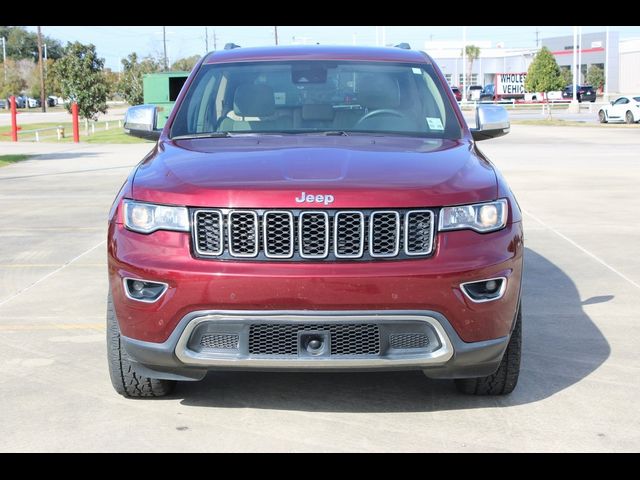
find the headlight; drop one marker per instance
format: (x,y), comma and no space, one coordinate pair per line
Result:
(481,217)
(147,217)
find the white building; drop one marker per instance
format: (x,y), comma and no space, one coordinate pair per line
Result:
(630,66)
(622,57)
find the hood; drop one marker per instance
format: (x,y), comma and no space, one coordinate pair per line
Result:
(273,171)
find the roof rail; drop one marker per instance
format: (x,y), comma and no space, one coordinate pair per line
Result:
(231,46)
(403,45)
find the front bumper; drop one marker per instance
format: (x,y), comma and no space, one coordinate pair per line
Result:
(426,284)
(445,355)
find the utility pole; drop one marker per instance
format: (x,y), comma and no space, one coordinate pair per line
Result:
(384,36)
(164,42)
(206,39)
(575,61)
(4,58)
(215,41)
(579,55)
(537,38)
(464,61)
(43,102)
(606,66)
(275,31)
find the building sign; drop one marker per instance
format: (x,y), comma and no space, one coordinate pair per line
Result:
(510,83)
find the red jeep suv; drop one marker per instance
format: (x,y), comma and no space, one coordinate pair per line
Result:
(315,208)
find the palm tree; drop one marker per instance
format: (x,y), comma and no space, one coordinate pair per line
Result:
(472,53)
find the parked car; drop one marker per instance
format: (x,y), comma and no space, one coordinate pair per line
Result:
(473,92)
(52,101)
(377,237)
(33,102)
(584,93)
(3,103)
(488,93)
(457,93)
(21,101)
(623,109)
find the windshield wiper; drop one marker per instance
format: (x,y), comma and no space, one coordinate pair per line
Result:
(203,135)
(335,133)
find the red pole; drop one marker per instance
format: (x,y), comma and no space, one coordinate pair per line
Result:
(14,121)
(74,114)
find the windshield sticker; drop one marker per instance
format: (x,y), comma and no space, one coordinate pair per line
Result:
(435,123)
(280,98)
(417,71)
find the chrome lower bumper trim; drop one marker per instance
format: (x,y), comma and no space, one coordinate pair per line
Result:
(193,358)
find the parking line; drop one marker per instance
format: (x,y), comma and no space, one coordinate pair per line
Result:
(54,326)
(20,292)
(584,250)
(47,265)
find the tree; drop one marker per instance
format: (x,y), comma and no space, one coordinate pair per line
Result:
(595,77)
(80,74)
(14,84)
(544,75)
(566,75)
(130,85)
(472,53)
(112,78)
(23,44)
(185,64)
(51,81)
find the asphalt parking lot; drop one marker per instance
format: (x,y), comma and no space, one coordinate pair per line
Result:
(578,388)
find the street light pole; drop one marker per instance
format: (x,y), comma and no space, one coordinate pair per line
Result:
(580,55)
(43,103)
(4,58)
(606,66)
(464,61)
(575,61)
(164,42)
(275,32)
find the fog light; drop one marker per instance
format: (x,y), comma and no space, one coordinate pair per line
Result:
(144,290)
(485,290)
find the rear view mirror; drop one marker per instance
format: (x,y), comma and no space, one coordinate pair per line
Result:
(492,121)
(140,121)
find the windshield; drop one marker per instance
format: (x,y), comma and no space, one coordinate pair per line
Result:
(300,97)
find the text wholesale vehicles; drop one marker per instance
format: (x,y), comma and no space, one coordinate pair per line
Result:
(315,208)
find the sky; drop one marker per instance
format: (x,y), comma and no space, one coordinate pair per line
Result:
(115,43)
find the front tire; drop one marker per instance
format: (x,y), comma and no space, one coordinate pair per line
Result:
(629,118)
(602,116)
(125,380)
(506,377)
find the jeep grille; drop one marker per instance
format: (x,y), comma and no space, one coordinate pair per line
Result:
(321,235)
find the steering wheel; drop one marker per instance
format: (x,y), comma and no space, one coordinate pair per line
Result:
(382,111)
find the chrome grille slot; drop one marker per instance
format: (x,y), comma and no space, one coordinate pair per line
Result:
(348,235)
(384,234)
(209,238)
(418,229)
(278,235)
(243,233)
(313,235)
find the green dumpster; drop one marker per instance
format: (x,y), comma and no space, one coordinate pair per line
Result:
(161,89)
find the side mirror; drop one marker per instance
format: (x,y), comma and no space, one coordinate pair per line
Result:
(492,121)
(140,121)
